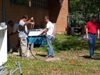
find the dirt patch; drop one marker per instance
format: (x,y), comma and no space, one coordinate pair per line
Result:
(71,55)
(51,59)
(15,53)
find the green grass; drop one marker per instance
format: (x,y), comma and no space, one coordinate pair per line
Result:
(67,51)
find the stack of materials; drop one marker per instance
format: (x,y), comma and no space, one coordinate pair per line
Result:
(4,71)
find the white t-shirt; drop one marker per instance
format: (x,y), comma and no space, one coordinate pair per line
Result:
(15,27)
(50,27)
(22,34)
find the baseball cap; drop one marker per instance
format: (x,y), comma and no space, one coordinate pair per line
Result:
(94,16)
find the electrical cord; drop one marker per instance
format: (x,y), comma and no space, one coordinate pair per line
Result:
(31,50)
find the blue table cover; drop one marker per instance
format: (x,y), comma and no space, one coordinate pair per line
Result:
(37,40)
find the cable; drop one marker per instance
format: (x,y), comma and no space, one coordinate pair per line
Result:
(31,50)
(33,54)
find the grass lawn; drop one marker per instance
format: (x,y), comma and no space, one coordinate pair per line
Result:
(66,48)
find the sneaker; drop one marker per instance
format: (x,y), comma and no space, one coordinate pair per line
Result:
(91,57)
(51,56)
(47,56)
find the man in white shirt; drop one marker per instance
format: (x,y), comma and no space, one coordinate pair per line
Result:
(14,31)
(49,36)
(23,34)
(15,27)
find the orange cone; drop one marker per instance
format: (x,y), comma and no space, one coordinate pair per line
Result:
(36,53)
(73,62)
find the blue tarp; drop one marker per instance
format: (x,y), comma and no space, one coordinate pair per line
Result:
(37,40)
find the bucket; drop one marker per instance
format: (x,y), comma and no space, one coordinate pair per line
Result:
(3,24)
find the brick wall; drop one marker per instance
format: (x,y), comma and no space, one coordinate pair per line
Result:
(58,14)
(15,13)
(54,8)
(1,17)
(62,18)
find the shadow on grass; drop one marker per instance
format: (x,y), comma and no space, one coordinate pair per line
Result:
(97,47)
(88,57)
(41,55)
(97,58)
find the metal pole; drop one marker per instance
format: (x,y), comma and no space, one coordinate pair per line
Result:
(16,63)
(4,67)
(20,68)
(3,72)
(4,11)
(13,71)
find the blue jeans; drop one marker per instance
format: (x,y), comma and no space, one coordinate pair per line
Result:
(50,48)
(92,41)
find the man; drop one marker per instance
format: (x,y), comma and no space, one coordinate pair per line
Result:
(23,34)
(14,31)
(49,36)
(92,29)
(15,27)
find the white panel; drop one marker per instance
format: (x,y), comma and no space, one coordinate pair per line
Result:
(35,32)
(3,46)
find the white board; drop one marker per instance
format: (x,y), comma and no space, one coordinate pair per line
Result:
(3,46)
(35,32)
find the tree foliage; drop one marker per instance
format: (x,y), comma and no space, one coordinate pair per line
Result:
(86,6)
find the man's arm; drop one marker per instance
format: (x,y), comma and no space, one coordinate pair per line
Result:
(29,21)
(98,33)
(53,34)
(12,33)
(32,23)
(87,33)
(44,31)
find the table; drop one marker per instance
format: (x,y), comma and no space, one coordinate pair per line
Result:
(35,38)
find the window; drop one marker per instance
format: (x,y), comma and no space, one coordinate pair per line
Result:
(42,4)
(20,2)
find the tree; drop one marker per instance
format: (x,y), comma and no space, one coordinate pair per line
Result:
(86,6)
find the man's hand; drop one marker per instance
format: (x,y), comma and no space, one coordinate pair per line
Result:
(32,23)
(31,18)
(12,33)
(98,37)
(53,37)
(87,37)
(41,33)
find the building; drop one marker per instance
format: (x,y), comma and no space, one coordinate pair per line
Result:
(15,9)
